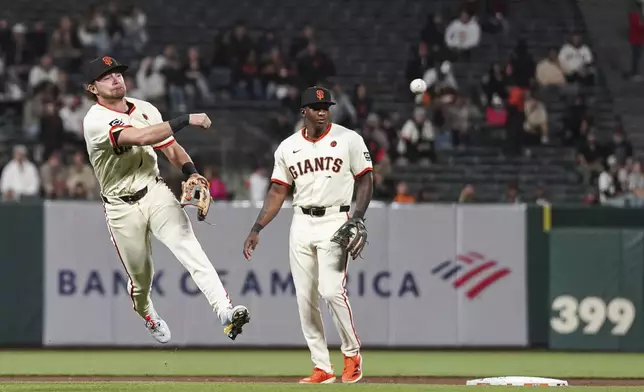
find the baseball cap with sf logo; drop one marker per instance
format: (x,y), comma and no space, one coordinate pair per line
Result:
(101,66)
(315,96)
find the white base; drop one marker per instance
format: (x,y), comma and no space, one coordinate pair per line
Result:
(519,381)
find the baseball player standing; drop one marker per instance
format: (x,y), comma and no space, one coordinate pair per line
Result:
(323,161)
(122,135)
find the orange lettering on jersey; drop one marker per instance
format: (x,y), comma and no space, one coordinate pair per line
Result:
(337,165)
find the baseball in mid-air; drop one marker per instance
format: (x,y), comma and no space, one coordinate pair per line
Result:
(418,86)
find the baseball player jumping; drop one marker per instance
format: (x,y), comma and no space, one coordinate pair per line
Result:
(323,161)
(122,135)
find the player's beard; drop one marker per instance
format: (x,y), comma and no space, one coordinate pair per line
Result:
(114,94)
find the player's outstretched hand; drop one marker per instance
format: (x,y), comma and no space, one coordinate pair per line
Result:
(200,120)
(249,246)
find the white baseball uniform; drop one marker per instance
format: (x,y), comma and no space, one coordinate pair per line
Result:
(133,170)
(323,172)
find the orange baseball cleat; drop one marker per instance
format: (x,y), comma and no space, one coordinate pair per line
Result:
(319,376)
(352,369)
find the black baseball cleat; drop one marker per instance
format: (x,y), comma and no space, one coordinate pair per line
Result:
(238,318)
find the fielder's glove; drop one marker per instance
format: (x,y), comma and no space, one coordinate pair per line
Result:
(196,192)
(351,236)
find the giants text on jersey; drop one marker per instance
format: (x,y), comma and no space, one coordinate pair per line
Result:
(323,170)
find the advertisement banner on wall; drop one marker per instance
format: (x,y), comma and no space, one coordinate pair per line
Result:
(432,275)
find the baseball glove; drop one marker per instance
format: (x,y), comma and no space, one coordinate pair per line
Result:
(196,192)
(351,236)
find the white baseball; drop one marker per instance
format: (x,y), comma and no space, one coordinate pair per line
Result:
(418,86)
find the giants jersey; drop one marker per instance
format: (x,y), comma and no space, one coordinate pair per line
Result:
(323,170)
(122,170)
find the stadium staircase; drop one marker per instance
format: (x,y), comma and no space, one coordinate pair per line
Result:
(607,24)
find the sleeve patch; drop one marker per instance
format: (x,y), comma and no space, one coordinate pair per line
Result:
(367,156)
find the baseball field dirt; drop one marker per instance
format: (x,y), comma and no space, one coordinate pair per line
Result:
(266,370)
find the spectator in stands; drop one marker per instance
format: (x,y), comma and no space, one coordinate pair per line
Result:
(247,78)
(343,112)
(45,71)
(375,138)
(218,189)
(196,74)
(576,122)
(92,32)
(134,22)
(419,61)
(362,102)
(257,184)
(81,181)
(541,196)
(275,74)
(468,194)
(172,69)
(620,147)
(72,114)
(511,194)
(65,46)
(152,82)
(38,39)
(636,38)
(463,35)
(301,41)
(402,194)
(19,177)
(496,114)
(54,177)
(549,72)
(635,185)
(314,66)
(52,132)
(461,118)
(433,36)
(536,120)
(10,87)
(523,64)
(589,159)
(495,20)
(576,60)
(494,83)
(416,139)
(239,45)
(18,55)
(610,191)
(383,188)
(440,80)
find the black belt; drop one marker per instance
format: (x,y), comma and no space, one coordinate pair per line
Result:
(320,211)
(133,198)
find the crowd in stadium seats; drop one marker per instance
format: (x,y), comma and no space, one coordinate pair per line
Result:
(40,78)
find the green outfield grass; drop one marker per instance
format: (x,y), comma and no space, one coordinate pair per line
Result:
(250,387)
(178,362)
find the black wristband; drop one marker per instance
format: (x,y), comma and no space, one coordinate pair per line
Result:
(177,124)
(189,169)
(257,228)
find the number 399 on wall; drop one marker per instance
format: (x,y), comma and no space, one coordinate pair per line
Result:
(590,314)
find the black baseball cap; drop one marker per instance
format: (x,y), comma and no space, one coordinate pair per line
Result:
(316,95)
(101,66)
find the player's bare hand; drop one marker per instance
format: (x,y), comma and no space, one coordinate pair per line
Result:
(249,246)
(200,120)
